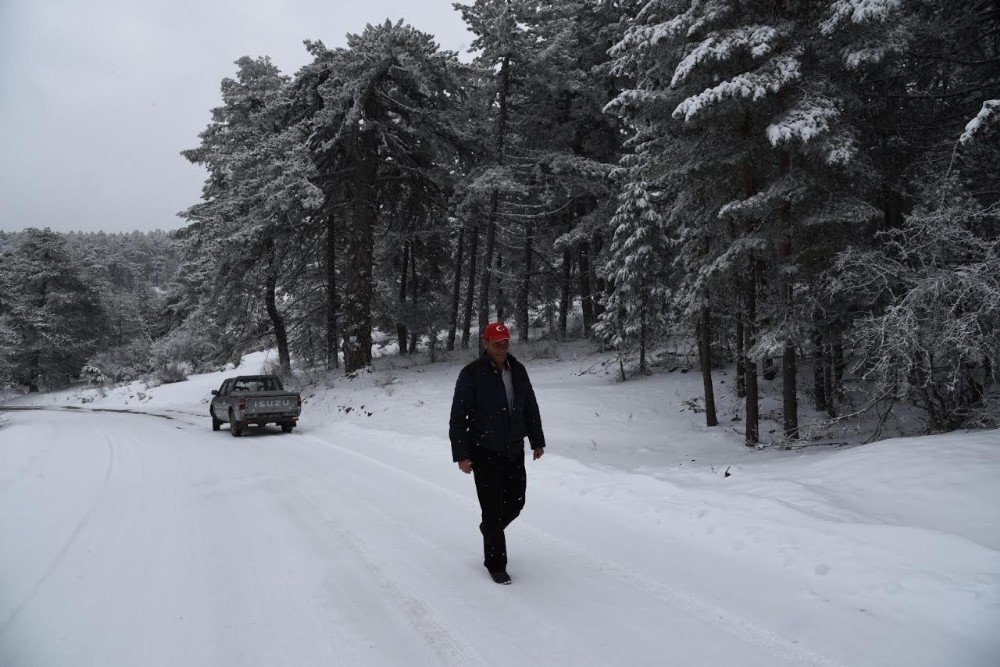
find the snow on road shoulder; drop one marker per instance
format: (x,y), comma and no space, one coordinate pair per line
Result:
(191,395)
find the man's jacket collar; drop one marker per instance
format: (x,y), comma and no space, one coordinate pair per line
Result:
(484,358)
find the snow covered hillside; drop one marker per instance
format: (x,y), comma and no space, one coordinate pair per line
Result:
(647,539)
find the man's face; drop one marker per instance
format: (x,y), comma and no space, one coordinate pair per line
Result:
(497,349)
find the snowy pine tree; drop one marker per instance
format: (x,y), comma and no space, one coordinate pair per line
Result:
(381,135)
(635,305)
(51,319)
(932,333)
(258,198)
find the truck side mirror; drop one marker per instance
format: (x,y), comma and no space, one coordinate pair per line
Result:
(215,392)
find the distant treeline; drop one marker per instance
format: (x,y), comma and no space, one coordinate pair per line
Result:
(70,301)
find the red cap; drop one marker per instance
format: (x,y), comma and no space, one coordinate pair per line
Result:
(496,331)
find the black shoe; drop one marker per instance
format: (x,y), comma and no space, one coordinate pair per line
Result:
(500,577)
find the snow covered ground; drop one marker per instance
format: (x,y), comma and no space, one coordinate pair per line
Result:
(147,539)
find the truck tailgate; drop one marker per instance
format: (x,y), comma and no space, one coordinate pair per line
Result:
(257,405)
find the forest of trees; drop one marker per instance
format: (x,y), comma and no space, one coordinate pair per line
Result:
(807,188)
(73,304)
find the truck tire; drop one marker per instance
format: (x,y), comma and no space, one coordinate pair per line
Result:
(235,428)
(286,427)
(216,424)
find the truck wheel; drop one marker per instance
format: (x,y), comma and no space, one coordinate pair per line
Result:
(215,422)
(235,428)
(286,428)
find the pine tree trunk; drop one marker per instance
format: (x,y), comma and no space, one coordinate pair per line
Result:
(838,369)
(523,297)
(500,296)
(277,322)
(550,312)
(750,366)
(486,280)
(892,207)
(414,285)
(491,222)
(432,342)
(789,370)
(790,401)
(596,283)
(831,403)
(453,325)
(34,371)
(332,354)
(470,291)
(404,270)
(705,361)
(750,307)
(586,297)
(564,300)
(642,344)
(819,371)
(741,372)
(360,249)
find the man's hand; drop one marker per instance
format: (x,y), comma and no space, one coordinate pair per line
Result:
(537,453)
(465,465)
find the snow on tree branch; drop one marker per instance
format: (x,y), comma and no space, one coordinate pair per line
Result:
(934,286)
(760,204)
(989,114)
(758,40)
(858,12)
(805,121)
(769,79)
(695,18)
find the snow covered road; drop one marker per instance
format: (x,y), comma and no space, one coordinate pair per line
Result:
(131,539)
(158,542)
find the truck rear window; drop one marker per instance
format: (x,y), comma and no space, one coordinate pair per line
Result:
(257,384)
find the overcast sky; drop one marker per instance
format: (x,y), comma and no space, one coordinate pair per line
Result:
(98,97)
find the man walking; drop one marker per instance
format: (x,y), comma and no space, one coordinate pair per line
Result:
(493,410)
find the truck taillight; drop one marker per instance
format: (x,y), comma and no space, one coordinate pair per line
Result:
(243,404)
(298,399)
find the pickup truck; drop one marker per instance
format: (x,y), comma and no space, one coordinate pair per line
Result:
(254,399)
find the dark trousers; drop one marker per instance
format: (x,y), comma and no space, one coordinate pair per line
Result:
(500,485)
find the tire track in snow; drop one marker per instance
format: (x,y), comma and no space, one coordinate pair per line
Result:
(443,640)
(69,541)
(732,624)
(78,409)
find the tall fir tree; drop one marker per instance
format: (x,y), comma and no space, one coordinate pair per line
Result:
(635,306)
(379,125)
(52,317)
(258,197)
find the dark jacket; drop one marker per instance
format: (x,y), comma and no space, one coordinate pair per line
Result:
(479,414)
